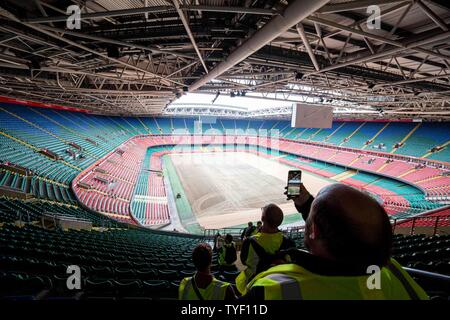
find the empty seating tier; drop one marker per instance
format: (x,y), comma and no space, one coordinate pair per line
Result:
(102,157)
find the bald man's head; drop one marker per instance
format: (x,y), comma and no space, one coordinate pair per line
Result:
(272,216)
(351,226)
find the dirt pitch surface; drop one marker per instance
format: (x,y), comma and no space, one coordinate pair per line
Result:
(229,188)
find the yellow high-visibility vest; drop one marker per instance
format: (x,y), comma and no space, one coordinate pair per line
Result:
(216,290)
(293,282)
(271,242)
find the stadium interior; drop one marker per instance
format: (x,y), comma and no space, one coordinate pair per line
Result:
(93,112)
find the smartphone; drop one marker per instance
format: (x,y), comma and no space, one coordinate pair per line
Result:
(294,182)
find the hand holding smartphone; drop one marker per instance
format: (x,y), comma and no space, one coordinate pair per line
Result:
(294,183)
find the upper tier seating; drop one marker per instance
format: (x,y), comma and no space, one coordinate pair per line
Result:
(343,132)
(366,132)
(392,134)
(426,137)
(56,126)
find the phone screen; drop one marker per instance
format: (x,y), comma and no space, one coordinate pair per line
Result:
(294,182)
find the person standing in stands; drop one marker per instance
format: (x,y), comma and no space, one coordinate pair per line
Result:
(258,228)
(203,285)
(349,238)
(228,254)
(262,249)
(248,231)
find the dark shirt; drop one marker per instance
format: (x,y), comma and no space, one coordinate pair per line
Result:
(305,208)
(248,232)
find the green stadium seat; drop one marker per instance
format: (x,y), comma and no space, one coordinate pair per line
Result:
(154,288)
(124,273)
(168,275)
(127,288)
(99,288)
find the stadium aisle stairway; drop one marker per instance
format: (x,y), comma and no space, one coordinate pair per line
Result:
(149,203)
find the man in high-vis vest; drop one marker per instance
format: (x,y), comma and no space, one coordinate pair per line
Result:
(270,239)
(227,254)
(349,237)
(203,285)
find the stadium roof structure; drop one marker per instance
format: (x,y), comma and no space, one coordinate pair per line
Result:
(138,56)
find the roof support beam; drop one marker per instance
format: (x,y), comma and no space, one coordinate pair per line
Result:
(293,14)
(401,46)
(381,55)
(189,32)
(167,82)
(103,14)
(441,76)
(433,16)
(243,10)
(301,32)
(353,5)
(368,35)
(155,9)
(116,42)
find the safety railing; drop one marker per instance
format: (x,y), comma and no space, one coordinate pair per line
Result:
(435,284)
(211,233)
(430,225)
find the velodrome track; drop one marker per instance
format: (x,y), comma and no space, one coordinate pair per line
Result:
(228,189)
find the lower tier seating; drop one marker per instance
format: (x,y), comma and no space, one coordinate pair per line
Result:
(114,263)
(127,263)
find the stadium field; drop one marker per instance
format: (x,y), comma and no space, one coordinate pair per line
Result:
(228,189)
